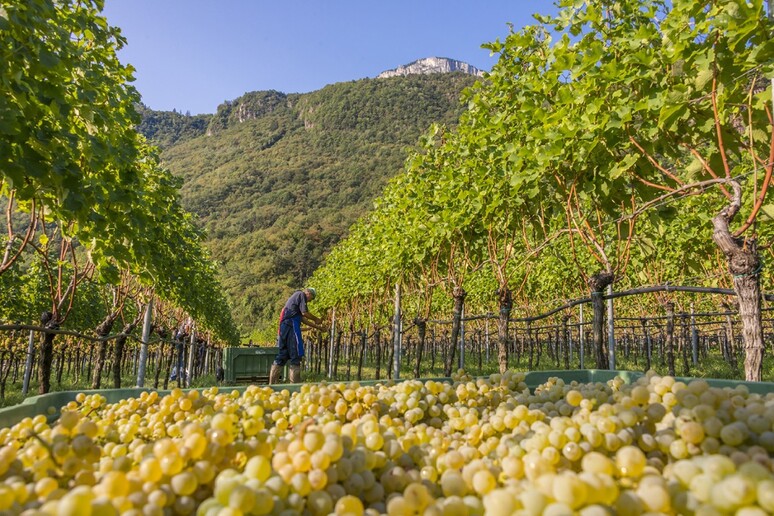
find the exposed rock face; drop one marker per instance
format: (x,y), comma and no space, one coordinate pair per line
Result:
(430,65)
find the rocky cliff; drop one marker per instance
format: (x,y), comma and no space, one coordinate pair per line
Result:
(430,65)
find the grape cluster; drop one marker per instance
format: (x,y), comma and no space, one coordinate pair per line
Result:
(470,446)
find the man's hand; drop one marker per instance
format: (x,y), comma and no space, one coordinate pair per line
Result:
(314,321)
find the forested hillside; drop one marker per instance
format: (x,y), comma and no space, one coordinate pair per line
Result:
(277,179)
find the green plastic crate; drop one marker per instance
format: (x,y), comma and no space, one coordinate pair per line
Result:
(50,404)
(535,378)
(754,387)
(247,364)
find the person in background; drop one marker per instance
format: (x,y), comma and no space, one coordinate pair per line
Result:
(289,340)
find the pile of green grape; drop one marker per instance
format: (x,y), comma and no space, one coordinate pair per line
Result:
(467,447)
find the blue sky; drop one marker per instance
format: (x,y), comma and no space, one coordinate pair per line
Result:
(191,55)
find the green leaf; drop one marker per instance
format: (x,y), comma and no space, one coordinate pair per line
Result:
(702,78)
(670,114)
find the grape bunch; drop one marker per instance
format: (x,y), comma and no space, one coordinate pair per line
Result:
(469,446)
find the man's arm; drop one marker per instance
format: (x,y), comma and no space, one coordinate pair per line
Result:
(312,320)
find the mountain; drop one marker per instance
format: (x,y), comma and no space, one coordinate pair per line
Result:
(430,65)
(166,128)
(277,179)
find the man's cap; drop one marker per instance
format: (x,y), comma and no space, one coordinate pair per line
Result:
(311,291)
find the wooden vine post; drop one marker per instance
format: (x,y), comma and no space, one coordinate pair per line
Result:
(191,356)
(332,341)
(28,363)
(670,337)
(610,329)
(646,342)
(396,334)
(146,329)
(581,337)
(461,361)
(694,338)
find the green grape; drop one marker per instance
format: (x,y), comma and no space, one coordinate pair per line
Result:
(557,509)
(453,484)
(629,504)
(533,502)
(751,511)
(733,492)
(692,432)
(224,486)
(574,398)
(483,482)
(75,503)
(349,506)
(595,510)
(184,483)
(302,461)
(374,441)
(513,467)
(684,471)
(734,434)
(299,483)
(596,462)
(717,466)
(569,490)
(258,467)
(654,494)
(242,498)
(114,484)
(501,502)
(320,503)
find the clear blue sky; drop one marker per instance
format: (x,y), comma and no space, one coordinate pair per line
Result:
(191,55)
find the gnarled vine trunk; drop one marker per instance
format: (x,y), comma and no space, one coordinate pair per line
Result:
(118,350)
(103,330)
(363,341)
(162,333)
(422,331)
(598,283)
(378,347)
(459,301)
(744,264)
(47,320)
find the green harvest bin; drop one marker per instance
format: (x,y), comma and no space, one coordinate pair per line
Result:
(50,404)
(245,364)
(753,387)
(535,378)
